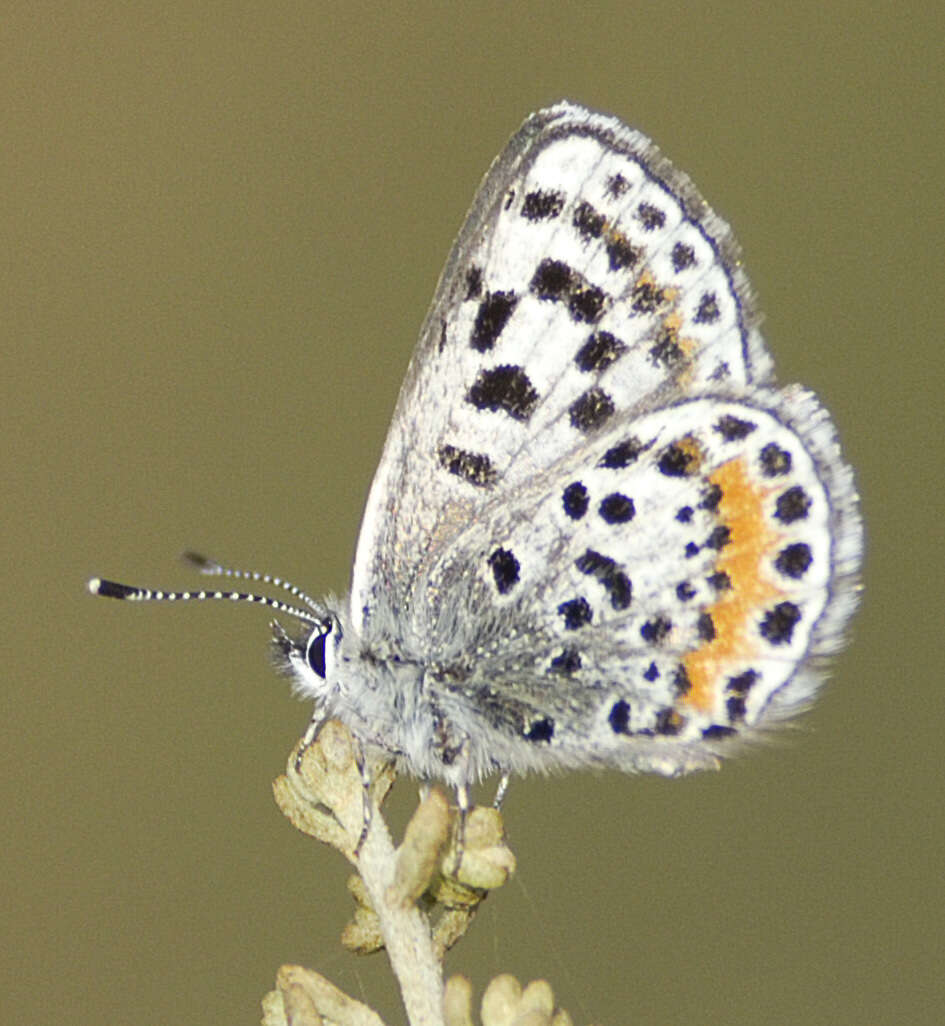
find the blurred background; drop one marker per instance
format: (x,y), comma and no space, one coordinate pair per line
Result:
(223,224)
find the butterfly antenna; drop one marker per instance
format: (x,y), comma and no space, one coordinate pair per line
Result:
(212,568)
(131,593)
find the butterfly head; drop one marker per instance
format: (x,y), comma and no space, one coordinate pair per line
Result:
(312,658)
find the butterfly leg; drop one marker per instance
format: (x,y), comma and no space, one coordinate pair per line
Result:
(310,736)
(501,791)
(366,796)
(461,791)
(462,806)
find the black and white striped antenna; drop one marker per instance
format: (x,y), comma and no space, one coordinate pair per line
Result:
(315,614)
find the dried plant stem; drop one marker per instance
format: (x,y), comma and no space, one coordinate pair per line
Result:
(405,929)
(414,900)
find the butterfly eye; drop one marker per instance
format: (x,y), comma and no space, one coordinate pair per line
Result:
(315,655)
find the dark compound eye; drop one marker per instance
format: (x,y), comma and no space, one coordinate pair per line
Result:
(316,652)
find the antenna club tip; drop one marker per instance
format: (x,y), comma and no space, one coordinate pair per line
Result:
(200,562)
(111,589)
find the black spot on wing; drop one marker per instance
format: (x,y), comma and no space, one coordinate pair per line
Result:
(617,508)
(552,280)
(599,351)
(505,570)
(705,627)
(473,467)
(719,537)
(473,282)
(736,708)
(541,205)
(650,216)
(777,625)
(619,717)
(621,253)
(647,297)
(737,688)
(617,185)
(707,312)
(719,581)
(591,410)
(685,591)
(586,304)
(794,560)
(683,257)
(742,683)
(717,731)
(668,722)
(681,683)
(506,389)
(588,221)
(604,569)
(555,281)
(666,350)
(655,630)
(592,224)
(540,730)
(575,500)
(678,459)
(792,505)
(576,613)
(491,317)
(733,429)
(775,461)
(622,454)
(711,498)
(567,662)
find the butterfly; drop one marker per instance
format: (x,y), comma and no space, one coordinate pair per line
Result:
(599,534)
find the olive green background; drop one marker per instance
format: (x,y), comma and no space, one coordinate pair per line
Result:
(221,226)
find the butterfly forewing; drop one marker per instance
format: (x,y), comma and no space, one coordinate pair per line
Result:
(589,284)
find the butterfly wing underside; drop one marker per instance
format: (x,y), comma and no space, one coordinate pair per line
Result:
(594,518)
(590,282)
